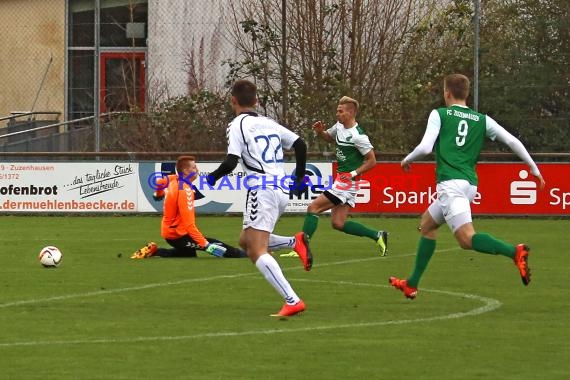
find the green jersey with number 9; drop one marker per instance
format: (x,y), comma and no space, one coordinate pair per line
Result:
(459,143)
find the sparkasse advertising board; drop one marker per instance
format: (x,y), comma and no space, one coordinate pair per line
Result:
(503,189)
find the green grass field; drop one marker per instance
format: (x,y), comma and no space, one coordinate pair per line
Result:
(101,316)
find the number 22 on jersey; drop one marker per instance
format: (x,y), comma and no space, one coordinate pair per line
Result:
(270,148)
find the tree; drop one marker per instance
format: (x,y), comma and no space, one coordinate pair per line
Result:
(334,48)
(392,56)
(442,43)
(525,78)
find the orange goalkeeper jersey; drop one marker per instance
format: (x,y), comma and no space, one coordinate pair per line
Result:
(179,218)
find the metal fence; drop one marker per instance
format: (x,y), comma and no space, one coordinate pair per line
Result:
(165,67)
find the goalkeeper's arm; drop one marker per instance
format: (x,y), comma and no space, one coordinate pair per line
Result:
(225,167)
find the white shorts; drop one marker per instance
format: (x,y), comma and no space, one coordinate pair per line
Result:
(343,192)
(453,203)
(263,208)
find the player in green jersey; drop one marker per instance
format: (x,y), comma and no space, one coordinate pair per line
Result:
(355,156)
(457,132)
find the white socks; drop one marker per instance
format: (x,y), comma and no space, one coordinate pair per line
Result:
(278,242)
(273,274)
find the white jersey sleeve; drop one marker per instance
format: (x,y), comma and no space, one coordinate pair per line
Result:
(495,132)
(333,130)
(431,134)
(492,128)
(363,144)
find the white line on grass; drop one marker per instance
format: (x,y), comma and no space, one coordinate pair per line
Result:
(180,282)
(121,290)
(489,304)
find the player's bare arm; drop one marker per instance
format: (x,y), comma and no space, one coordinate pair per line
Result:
(368,163)
(541,182)
(319,128)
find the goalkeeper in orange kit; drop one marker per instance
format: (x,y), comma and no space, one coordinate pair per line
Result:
(178,225)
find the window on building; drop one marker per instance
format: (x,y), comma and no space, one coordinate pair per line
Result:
(81,71)
(119,27)
(124,23)
(82,23)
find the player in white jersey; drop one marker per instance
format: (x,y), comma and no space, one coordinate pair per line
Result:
(259,141)
(355,156)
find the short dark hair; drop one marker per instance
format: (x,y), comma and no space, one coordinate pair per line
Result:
(458,85)
(182,161)
(245,93)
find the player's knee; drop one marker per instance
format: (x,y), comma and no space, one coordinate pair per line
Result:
(428,230)
(431,234)
(313,209)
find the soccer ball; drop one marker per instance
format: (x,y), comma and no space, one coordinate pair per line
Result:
(50,256)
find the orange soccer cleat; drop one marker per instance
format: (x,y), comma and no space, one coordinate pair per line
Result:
(521,261)
(147,251)
(303,249)
(290,310)
(402,285)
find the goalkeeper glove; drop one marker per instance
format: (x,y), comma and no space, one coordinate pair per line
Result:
(215,249)
(158,195)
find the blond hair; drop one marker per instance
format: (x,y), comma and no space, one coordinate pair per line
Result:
(348,100)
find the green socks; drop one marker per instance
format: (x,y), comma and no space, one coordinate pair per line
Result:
(357,229)
(486,243)
(310,225)
(352,228)
(426,248)
(481,242)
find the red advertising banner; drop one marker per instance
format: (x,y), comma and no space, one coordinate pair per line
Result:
(504,189)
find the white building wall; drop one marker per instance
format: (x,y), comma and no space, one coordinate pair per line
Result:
(177,29)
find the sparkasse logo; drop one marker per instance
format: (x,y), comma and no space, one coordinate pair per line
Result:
(523,192)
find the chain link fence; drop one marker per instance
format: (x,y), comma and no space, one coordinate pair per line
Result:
(153,75)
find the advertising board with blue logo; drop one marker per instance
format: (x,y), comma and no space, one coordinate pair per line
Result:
(228,194)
